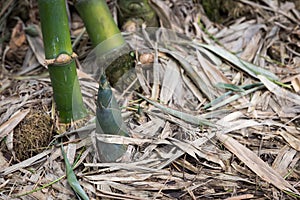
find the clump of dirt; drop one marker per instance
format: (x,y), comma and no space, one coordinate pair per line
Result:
(32,135)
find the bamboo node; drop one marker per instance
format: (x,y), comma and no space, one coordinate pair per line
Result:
(61,59)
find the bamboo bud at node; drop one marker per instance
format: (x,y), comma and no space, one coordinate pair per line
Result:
(61,59)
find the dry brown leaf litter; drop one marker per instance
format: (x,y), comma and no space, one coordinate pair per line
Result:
(171,157)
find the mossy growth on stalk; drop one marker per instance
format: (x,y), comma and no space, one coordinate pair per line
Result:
(60,57)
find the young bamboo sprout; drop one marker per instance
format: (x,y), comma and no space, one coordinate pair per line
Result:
(60,60)
(102,28)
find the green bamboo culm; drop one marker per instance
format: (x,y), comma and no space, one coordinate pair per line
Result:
(64,80)
(105,34)
(99,22)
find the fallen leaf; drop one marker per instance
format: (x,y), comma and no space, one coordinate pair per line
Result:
(18,36)
(257,165)
(296,83)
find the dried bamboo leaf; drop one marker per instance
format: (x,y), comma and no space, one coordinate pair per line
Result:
(295,81)
(213,73)
(283,160)
(14,120)
(241,197)
(193,151)
(273,8)
(71,151)
(165,14)
(237,125)
(278,91)
(197,143)
(24,163)
(117,139)
(150,128)
(254,101)
(13,106)
(185,116)
(112,195)
(140,166)
(37,46)
(170,81)
(192,88)
(156,81)
(191,72)
(214,59)
(292,140)
(121,176)
(186,164)
(235,178)
(262,169)
(125,188)
(150,185)
(252,47)
(3,163)
(186,147)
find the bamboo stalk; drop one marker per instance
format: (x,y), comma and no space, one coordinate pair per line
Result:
(99,23)
(59,55)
